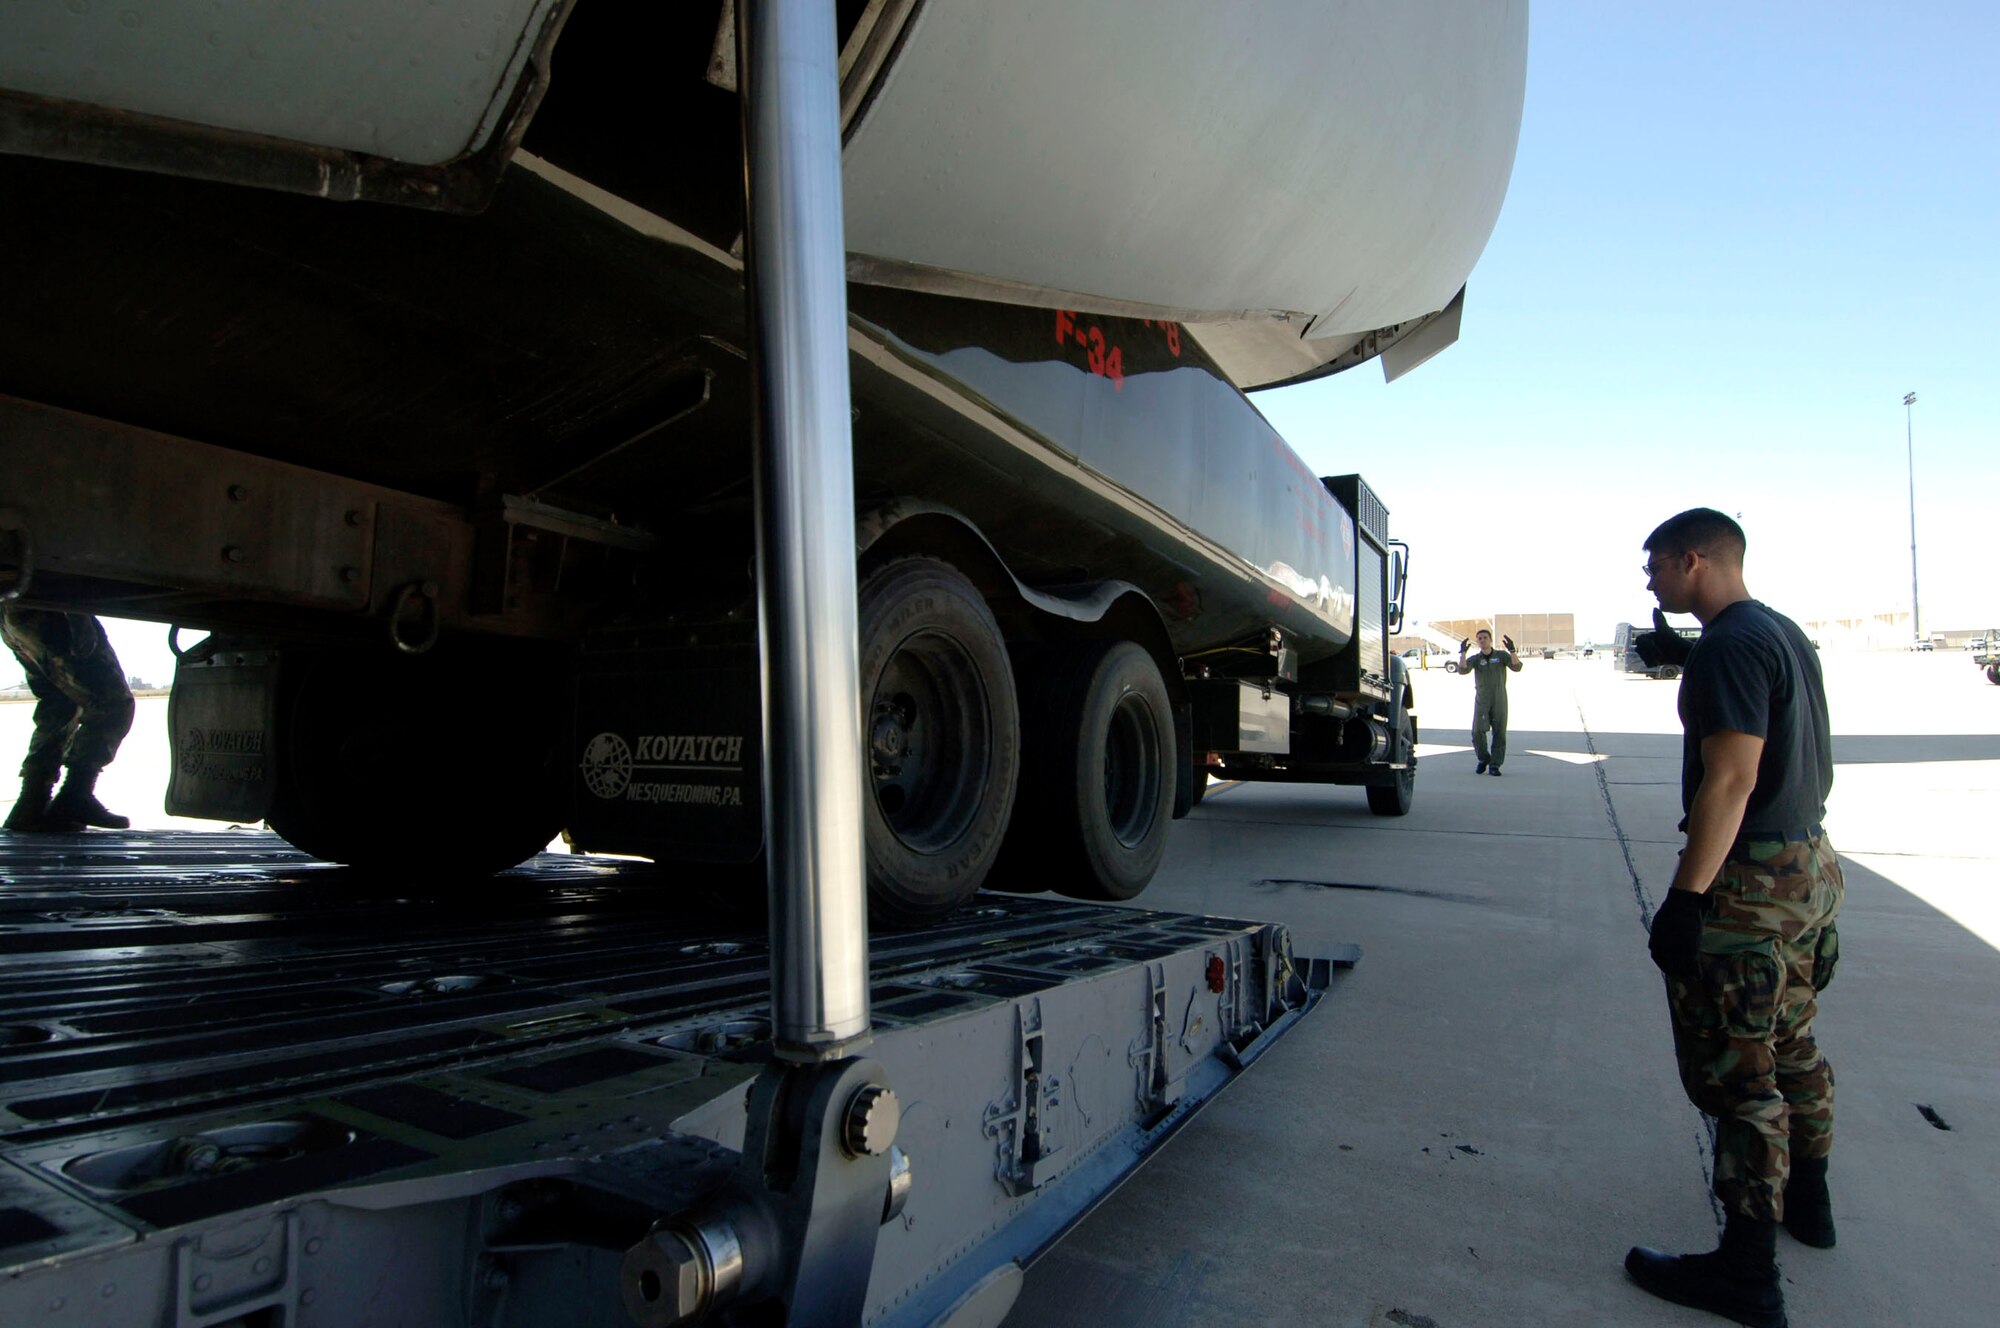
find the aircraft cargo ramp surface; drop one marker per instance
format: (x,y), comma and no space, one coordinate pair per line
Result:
(237,1084)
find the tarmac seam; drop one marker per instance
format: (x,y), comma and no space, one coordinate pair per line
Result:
(1639,894)
(1705,1135)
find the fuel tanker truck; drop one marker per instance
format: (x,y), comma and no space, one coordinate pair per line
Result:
(799,441)
(404,353)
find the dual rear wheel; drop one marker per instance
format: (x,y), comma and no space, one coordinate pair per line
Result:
(1056,773)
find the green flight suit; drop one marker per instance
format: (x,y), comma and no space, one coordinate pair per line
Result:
(1489,704)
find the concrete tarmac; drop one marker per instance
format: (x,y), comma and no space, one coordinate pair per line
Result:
(1484,1114)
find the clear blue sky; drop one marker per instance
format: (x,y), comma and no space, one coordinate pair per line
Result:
(1735,236)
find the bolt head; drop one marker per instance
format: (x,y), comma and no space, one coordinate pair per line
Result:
(665,1280)
(873,1116)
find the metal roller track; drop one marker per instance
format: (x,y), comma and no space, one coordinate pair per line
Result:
(204,1030)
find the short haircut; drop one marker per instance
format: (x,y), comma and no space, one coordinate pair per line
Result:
(1698,530)
(1483,632)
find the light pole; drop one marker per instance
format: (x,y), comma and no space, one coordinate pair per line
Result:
(1910,447)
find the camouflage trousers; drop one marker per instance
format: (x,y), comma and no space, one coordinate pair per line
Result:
(83,709)
(1490,714)
(1743,1026)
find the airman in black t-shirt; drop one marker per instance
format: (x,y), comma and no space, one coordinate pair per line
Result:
(1746,936)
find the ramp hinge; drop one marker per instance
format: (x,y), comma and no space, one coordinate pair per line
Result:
(1022,1123)
(1158,1087)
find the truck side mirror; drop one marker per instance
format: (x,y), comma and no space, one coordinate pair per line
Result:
(1399,579)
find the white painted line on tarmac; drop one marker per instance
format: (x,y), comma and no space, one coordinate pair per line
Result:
(1574,758)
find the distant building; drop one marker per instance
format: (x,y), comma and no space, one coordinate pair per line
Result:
(1532,632)
(1884,631)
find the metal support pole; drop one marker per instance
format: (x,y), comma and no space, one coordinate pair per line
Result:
(1910,446)
(796,269)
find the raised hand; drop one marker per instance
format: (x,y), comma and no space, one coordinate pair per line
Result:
(1662,645)
(1508,642)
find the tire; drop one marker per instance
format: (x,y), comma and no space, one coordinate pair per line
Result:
(1098,731)
(1667,672)
(1993,674)
(941,727)
(1396,799)
(1192,781)
(445,762)
(1451,666)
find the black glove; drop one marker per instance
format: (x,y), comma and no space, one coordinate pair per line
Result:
(1675,940)
(1464,644)
(1662,645)
(1508,642)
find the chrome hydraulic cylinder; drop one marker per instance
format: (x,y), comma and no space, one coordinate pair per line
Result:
(796,266)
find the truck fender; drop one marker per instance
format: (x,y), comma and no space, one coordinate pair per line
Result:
(1405,703)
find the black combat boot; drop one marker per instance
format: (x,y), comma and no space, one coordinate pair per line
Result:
(1808,1207)
(31,809)
(1739,1280)
(77,803)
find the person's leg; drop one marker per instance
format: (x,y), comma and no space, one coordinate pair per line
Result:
(1724,1023)
(1499,739)
(1482,719)
(27,633)
(91,676)
(1804,1076)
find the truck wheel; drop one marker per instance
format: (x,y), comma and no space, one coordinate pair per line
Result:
(942,729)
(1098,730)
(1397,798)
(443,762)
(1993,674)
(1668,672)
(1451,666)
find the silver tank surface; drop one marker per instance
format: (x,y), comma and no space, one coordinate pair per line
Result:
(1304,182)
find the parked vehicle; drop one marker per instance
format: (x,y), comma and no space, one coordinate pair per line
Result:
(1422,657)
(1078,541)
(1627,660)
(1988,656)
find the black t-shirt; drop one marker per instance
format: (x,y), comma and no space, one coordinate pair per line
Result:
(1755,672)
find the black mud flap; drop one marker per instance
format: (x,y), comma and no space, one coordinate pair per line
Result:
(666,752)
(1192,779)
(221,723)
